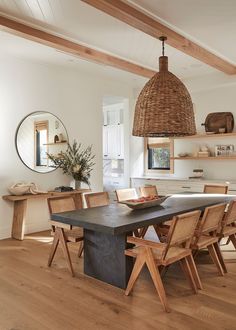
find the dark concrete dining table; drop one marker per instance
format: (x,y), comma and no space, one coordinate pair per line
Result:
(106,229)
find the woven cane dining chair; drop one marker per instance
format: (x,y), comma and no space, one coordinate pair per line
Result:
(206,235)
(148,191)
(228,227)
(97,199)
(160,229)
(63,233)
(125,194)
(215,189)
(176,248)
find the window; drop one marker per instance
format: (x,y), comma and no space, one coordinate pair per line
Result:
(41,140)
(158,155)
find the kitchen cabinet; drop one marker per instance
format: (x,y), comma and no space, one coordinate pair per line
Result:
(113,116)
(113,142)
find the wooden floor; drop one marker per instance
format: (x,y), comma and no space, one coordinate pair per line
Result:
(34,297)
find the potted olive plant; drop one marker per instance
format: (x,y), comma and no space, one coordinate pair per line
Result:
(76,162)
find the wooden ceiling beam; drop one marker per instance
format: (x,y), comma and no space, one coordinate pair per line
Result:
(141,21)
(70,47)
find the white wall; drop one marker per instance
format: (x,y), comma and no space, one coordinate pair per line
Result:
(76,98)
(136,144)
(213,93)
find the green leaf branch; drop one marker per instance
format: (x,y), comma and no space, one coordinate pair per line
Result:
(75,162)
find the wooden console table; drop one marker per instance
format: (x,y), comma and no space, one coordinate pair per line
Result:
(20,205)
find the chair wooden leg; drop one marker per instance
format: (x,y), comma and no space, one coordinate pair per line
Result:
(194,271)
(228,241)
(233,240)
(65,250)
(156,279)
(187,270)
(53,247)
(162,270)
(81,249)
(138,265)
(136,233)
(195,253)
(157,231)
(220,257)
(215,259)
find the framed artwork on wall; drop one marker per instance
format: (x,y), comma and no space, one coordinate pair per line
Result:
(224,150)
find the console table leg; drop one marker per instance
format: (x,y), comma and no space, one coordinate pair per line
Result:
(18,224)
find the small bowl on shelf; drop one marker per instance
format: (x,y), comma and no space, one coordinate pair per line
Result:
(183,154)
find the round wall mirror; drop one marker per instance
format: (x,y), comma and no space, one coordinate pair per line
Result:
(38,134)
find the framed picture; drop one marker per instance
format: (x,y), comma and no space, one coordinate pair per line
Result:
(224,150)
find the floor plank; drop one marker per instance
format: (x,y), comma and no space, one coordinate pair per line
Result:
(35,297)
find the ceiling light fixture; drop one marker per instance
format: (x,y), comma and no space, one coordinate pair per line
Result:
(164,106)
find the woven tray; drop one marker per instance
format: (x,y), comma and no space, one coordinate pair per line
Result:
(146,204)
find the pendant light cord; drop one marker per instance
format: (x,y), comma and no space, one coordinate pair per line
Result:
(163,39)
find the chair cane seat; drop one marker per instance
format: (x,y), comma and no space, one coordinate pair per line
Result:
(228,230)
(174,253)
(204,241)
(75,235)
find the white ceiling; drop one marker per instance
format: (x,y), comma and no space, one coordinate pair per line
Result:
(23,48)
(209,22)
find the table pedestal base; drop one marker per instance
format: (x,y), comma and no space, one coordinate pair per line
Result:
(104,258)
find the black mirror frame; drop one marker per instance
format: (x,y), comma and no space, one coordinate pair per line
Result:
(17,129)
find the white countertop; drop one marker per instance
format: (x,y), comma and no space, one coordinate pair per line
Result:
(169,178)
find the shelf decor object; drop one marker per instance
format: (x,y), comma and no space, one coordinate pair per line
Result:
(164,106)
(219,122)
(53,144)
(224,150)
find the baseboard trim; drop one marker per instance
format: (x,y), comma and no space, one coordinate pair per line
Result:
(30,228)
(5,233)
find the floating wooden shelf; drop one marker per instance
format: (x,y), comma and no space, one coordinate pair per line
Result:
(200,136)
(205,158)
(53,144)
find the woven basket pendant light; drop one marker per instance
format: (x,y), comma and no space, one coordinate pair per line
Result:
(164,106)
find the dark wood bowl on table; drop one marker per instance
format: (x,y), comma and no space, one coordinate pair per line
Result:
(144,202)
